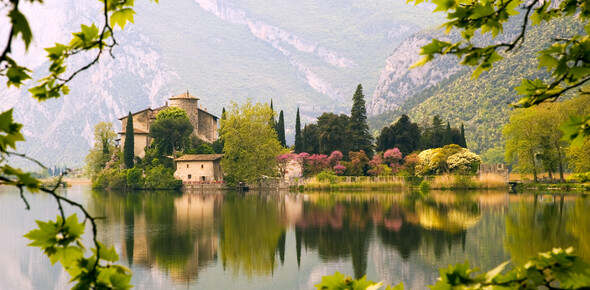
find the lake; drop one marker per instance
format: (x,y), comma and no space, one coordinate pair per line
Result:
(273,240)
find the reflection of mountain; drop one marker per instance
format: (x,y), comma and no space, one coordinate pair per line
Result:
(173,233)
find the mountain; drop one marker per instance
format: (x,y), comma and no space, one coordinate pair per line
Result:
(308,53)
(445,88)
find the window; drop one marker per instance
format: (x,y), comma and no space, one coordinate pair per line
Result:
(187,166)
(189,176)
(201,166)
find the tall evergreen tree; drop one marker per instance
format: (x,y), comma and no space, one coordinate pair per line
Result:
(129,146)
(273,123)
(360,137)
(223,113)
(281,130)
(463,142)
(298,144)
(447,136)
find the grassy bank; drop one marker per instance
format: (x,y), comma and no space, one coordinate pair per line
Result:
(484,181)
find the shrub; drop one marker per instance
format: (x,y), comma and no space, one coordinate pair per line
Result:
(327,176)
(135,178)
(424,185)
(464,182)
(160,177)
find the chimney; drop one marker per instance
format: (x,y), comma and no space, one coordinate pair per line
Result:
(205,109)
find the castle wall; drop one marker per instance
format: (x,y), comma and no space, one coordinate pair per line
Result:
(207,127)
(211,170)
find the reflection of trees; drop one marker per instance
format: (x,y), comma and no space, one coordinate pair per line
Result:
(579,226)
(538,226)
(168,230)
(337,231)
(250,235)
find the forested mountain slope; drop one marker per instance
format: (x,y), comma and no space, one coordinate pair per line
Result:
(482,104)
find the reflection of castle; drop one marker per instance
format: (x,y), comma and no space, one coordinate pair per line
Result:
(204,123)
(182,241)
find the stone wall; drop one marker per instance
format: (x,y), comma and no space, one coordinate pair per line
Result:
(207,126)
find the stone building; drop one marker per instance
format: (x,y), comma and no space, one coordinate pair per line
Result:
(198,167)
(204,123)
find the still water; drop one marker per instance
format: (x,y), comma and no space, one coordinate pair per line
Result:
(274,240)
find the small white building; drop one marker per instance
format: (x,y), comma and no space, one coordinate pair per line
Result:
(199,168)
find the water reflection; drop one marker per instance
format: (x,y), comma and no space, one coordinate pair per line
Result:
(285,240)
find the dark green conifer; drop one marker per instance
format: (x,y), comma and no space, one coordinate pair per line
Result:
(298,141)
(129,146)
(361,139)
(281,130)
(447,136)
(463,141)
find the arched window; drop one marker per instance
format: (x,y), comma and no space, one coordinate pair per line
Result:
(189,176)
(187,166)
(201,166)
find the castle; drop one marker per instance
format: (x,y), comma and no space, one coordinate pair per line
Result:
(204,123)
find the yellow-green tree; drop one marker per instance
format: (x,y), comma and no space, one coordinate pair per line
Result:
(104,145)
(251,143)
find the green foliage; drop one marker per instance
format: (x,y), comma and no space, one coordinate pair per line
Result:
(129,146)
(104,146)
(360,137)
(340,281)
(564,59)
(161,177)
(171,131)
(424,186)
(403,135)
(134,178)
(281,129)
(61,241)
(298,138)
(327,176)
(556,268)
(251,144)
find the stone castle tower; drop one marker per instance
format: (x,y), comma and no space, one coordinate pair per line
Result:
(190,105)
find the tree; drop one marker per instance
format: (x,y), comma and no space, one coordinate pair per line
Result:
(566,59)
(251,143)
(310,139)
(171,130)
(298,141)
(129,146)
(360,138)
(521,141)
(448,135)
(97,269)
(403,135)
(104,146)
(462,141)
(333,133)
(281,130)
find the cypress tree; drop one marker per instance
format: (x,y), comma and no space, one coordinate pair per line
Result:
(447,137)
(129,146)
(298,141)
(463,141)
(361,139)
(272,117)
(223,113)
(281,130)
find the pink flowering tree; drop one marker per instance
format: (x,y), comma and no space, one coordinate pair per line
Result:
(393,157)
(316,163)
(339,169)
(283,162)
(375,165)
(335,158)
